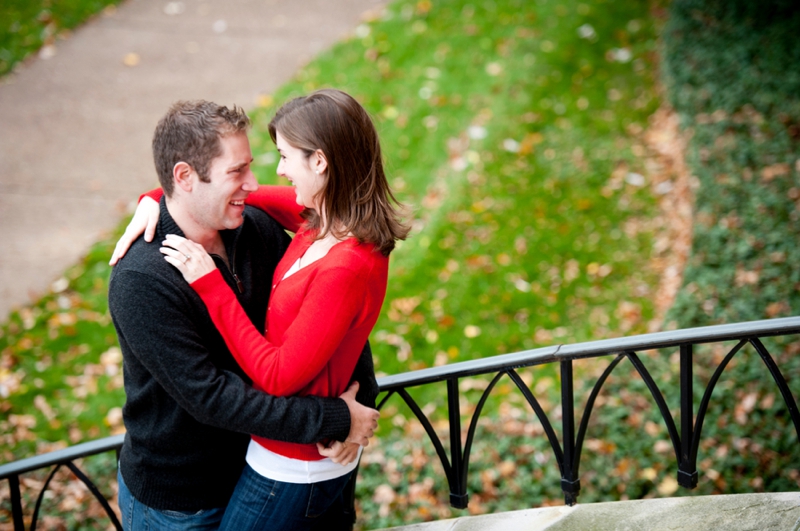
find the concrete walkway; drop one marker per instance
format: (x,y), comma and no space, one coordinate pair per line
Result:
(75,128)
(738,512)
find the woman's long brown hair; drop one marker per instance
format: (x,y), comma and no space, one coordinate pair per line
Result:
(356,197)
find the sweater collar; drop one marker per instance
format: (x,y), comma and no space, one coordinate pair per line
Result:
(167,225)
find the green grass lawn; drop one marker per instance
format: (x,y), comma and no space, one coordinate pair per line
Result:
(502,136)
(27,25)
(510,129)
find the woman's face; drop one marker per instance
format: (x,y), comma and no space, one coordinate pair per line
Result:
(305,173)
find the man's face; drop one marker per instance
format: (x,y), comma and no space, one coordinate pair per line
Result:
(219,204)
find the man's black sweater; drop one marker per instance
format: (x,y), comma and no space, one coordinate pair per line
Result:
(190,408)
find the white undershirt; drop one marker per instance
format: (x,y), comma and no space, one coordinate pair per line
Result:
(282,468)
(292,270)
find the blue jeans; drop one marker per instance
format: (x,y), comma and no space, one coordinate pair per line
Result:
(137,516)
(262,503)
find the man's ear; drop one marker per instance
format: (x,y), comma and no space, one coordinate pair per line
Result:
(183,174)
(318,162)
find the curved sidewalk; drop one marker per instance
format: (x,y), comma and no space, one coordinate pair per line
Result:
(75,129)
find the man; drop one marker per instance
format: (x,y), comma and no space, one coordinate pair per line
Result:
(189,411)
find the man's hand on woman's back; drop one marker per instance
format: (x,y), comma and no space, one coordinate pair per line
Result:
(363,420)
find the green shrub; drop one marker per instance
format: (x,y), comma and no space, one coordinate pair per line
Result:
(733,74)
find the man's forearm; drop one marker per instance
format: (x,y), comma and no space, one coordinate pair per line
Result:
(335,420)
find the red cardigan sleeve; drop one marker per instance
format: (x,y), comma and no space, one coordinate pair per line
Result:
(277,201)
(328,311)
(280,203)
(152,194)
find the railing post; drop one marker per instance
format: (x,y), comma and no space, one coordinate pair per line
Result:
(570,483)
(16,503)
(687,466)
(458,483)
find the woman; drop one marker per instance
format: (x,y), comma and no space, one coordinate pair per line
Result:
(326,296)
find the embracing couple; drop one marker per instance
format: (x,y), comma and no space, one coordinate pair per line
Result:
(224,297)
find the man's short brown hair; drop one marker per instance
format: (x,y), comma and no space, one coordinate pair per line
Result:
(190,133)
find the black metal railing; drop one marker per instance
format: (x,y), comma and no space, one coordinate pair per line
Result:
(66,457)
(567,451)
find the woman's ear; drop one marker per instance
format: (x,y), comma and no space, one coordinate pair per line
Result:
(318,162)
(182,172)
